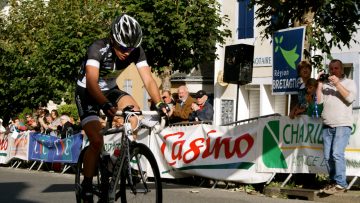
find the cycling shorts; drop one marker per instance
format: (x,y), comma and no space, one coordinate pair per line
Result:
(88,108)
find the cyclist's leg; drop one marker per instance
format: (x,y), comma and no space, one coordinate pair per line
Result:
(126,101)
(92,131)
(123,99)
(88,111)
(91,157)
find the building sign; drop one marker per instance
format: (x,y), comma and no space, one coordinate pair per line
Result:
(288,46)
(262,61)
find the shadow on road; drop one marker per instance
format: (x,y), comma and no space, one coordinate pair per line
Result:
(60,188)
(71,187)
(10,192)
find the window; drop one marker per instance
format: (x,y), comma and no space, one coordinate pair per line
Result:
(128,86)
(246,20)
(227,111)
(348,70)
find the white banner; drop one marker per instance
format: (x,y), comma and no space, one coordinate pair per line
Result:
(249,153)
(216,152)
(19,145)
(296,146)
(4,148)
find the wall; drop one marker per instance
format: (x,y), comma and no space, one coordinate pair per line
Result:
(139,92)
(262,74)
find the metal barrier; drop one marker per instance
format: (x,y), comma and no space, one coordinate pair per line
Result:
(190,123)
(249,120)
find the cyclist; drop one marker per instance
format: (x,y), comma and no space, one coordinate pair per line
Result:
(97,89)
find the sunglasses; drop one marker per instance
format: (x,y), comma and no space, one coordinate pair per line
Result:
(125,49)
(122,48)
(164,97)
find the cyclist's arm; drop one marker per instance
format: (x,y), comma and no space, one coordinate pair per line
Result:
(150,83)
(92,77)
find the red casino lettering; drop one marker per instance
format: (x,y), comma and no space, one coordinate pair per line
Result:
(206,147)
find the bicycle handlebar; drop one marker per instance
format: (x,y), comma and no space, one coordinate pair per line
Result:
(144,113)
(156,128)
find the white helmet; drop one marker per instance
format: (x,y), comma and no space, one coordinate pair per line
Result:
(126,32)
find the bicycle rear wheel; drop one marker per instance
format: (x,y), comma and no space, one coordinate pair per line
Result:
(79,178)
(145,175)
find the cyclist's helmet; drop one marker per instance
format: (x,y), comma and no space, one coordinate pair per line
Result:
(126,32)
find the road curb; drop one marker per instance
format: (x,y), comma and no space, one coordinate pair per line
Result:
(313,195)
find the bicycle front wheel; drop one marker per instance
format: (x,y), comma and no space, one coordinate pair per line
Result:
(145,175)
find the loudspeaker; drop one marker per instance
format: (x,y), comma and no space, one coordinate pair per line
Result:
(238,64)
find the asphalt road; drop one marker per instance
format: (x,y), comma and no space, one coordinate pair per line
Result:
(24,186)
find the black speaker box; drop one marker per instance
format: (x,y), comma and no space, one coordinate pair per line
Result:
(238,64)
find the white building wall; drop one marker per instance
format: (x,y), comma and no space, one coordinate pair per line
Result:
(262,73)
(267,103)
(350,55)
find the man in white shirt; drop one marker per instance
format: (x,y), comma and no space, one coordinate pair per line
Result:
(337,93)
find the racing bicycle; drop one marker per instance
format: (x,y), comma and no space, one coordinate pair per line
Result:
(134,177)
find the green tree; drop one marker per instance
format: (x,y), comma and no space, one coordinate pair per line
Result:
(42,46)
(329,23)
(42,43)
(69,109)
(177,33)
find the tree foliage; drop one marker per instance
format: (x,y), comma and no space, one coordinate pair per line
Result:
(330,23)
(179,33)
(42,43)
(69,109)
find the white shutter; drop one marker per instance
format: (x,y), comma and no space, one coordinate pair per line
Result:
(280,104)
(254,103)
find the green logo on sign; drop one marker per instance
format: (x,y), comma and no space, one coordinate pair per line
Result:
(272,155)
(290,56)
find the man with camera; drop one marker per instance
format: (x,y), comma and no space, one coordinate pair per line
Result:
(337,93)
(202,110)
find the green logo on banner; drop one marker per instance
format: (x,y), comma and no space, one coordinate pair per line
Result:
(290,56)
(272,155)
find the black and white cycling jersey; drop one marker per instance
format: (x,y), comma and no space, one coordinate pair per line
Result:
(101,55)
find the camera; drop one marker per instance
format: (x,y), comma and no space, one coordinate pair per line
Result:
(324,77)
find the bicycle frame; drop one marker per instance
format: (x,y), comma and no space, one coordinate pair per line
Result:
(123,159)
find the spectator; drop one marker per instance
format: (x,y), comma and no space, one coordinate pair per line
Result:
(50,129)
(19,125)
(31,123)
(66,128)
(304,71)
(42,120)
(11,127)
(55,117)
(202,110)
(337,94)
(183,106)
(314,105)
(167,98)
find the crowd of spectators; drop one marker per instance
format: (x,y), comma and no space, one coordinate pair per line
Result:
(184,109)
(187,108)
(44,122)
